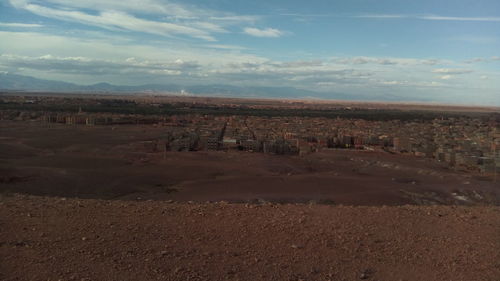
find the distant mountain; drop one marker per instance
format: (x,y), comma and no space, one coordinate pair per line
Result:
(20,83)
(27,83)
(14,82)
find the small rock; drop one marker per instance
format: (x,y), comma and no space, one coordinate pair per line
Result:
(365,274)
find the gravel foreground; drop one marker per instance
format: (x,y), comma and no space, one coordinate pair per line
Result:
(45,238)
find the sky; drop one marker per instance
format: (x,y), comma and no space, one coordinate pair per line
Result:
(427,50)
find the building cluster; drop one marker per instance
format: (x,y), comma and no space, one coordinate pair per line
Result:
(467,144)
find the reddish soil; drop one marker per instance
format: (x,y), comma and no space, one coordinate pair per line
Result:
(67,239)
(118,163)
(93,217)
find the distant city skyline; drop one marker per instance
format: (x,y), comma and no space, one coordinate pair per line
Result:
(443,51)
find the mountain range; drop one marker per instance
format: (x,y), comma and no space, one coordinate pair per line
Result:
(27,83)
(15,82)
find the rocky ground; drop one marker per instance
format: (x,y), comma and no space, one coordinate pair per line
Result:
(44,238)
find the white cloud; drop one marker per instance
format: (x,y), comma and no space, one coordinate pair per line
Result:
(226,47)
(268,32)
(385,61)
(446,77)
(477,60)
(391,83)
(35,44)
(84,66)
(144,6)
(429,17)
(119,20)
(444,18)
(89,59)
(148,16)
(451,70)
(21,25)
(169,9)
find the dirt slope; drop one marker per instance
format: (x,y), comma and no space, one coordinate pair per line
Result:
(67,239)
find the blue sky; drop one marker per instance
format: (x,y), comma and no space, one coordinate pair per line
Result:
(442,51)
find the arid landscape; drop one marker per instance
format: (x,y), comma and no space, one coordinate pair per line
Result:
(260,140)
(148,197)
(117,162)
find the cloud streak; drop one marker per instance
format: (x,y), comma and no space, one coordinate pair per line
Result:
(119,20)
(444,18)
(385,61)
(479,60)
(429,17)
(451,71)
(20,25)
(149,16)
(267,32)
(84,65)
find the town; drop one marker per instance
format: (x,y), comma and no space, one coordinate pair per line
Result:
(465,142)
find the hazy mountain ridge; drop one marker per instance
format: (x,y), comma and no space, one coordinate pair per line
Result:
(28,83)
(17,82)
